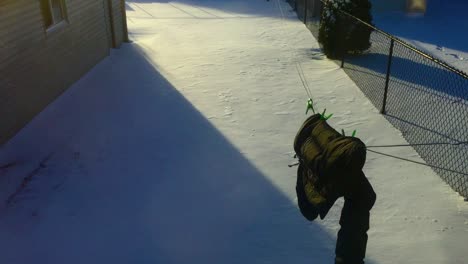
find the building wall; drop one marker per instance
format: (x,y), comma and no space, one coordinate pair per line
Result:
(36,66)
(119,24)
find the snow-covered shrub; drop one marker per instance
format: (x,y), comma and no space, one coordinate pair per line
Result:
(339,33)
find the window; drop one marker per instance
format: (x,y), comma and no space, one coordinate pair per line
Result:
(53,12)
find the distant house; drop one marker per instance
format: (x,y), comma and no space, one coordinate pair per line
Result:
(47,45)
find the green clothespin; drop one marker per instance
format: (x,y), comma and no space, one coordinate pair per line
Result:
(310,106)
(354,133)
(342,132)
(325,117)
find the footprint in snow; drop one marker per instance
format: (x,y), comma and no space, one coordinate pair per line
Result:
(281,103)
(369,141)
(456,56)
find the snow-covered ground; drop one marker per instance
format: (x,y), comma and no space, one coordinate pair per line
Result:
(175,150)
(440,32)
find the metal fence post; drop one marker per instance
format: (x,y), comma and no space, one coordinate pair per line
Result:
(343,51)
(341,26)
(305,11)
(313,8)
(389,65)
(342,57)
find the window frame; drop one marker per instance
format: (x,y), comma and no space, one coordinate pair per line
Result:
(54,22)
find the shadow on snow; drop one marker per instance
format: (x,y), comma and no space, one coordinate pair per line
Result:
(160,184)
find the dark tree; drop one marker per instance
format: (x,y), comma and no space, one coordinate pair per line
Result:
(339,33)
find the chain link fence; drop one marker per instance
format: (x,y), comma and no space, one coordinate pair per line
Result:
(426,99)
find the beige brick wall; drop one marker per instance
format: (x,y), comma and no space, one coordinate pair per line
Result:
(36,66)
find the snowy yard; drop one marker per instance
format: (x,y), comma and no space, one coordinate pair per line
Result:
(440,32)
(175,150)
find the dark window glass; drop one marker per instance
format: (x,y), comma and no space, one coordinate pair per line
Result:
(57,10)
(53,12)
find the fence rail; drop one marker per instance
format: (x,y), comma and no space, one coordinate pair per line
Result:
(422,96)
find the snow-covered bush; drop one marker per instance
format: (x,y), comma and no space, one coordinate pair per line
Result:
(339,33)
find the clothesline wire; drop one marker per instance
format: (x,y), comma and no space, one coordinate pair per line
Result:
(299,69)
(417,162)
(305,84)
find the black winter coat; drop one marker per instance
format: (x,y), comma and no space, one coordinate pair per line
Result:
(330,166)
